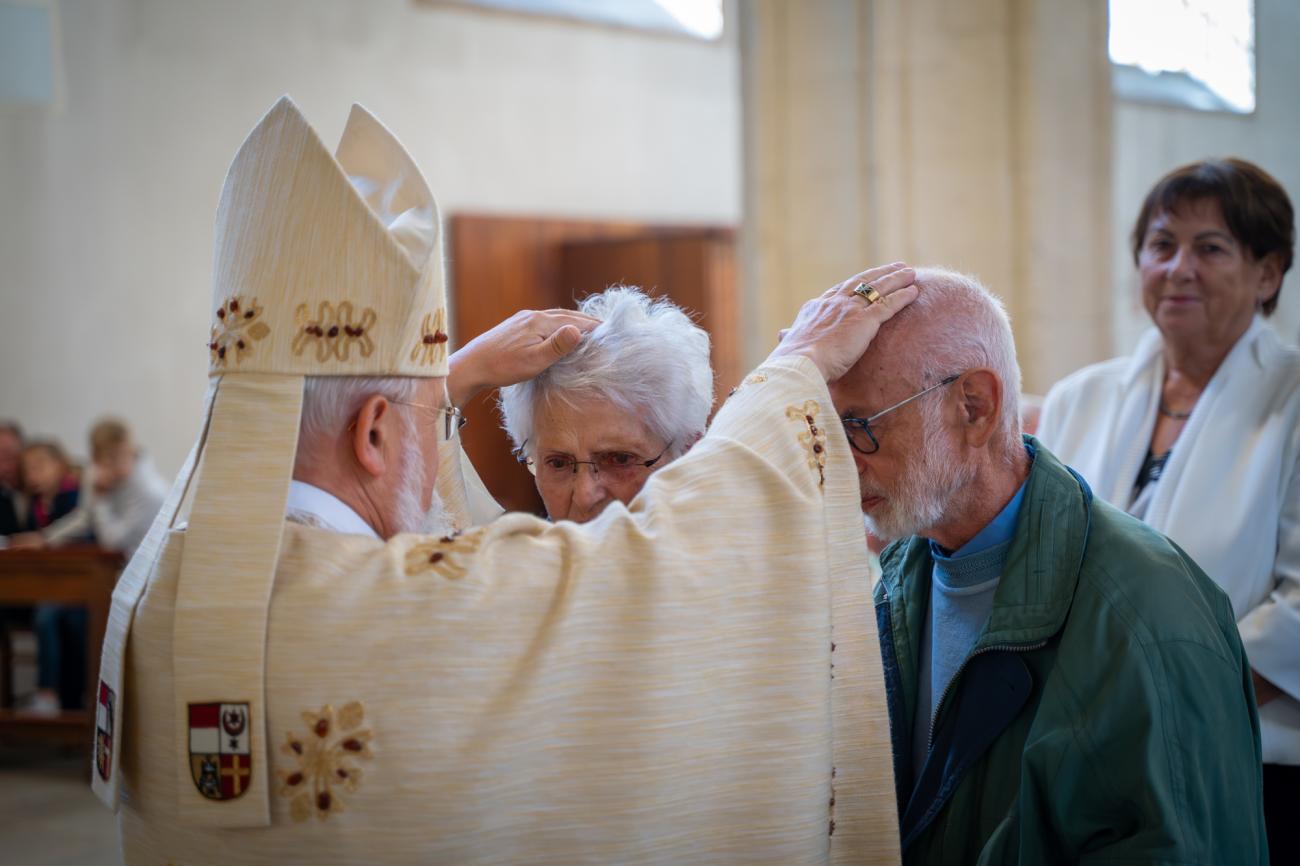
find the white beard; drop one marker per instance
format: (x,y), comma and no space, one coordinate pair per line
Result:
(926,493)
(410,517)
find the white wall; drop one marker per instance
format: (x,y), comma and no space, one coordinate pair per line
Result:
(1150,140)
(107,202)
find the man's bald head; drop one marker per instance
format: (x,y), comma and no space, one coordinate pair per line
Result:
(954,325)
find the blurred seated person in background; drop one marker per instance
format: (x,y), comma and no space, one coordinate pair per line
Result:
(632,397)
(122,495)
(13,505)
(54,490)
(1198,431)
(50,482)
(1064,684)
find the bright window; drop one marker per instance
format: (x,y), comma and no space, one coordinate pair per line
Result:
(701,19)
(1199,53)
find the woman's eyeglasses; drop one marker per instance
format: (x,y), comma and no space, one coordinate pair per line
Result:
(616,465)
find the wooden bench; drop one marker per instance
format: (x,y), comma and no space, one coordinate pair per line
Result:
(74,576)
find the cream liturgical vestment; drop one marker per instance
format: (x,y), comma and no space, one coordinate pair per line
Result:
(694,678)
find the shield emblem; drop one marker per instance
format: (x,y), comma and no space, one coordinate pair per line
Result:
(104,731)
(220,759)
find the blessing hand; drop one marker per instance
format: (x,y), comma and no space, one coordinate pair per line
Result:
(514,351)
(835,329)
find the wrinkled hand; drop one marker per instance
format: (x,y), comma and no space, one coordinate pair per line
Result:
(835,329)
(514,351)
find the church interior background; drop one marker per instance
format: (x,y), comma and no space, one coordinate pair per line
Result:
(736,155)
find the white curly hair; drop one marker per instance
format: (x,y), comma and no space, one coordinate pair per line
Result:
(646,356)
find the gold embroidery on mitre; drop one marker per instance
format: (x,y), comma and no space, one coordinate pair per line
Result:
(814,438)
(238,326)
(431,346)
(334,331)
(324,760)
(445,556)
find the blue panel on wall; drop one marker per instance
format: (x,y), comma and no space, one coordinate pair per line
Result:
(26,55)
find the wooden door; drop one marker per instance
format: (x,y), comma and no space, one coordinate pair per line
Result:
(694,268)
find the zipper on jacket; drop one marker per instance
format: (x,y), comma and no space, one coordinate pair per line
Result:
(1002,647)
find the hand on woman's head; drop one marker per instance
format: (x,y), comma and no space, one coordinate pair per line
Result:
(514,351)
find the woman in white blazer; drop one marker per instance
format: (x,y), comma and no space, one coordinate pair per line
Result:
(1198,432)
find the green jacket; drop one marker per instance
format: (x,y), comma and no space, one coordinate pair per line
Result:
(1106,713)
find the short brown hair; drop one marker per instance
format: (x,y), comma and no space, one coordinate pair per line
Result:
(107,434)
(1254,204)
(53,449)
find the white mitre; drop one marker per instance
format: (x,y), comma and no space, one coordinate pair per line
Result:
(692,678)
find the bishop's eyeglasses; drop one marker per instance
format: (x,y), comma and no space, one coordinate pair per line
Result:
(453,418)
(859,431)
(616,465)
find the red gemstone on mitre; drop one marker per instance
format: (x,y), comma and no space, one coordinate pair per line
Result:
(439,337)
(323,801)
(294,779)
(334,330)
(428,340)
(322,727)
(234,305)
(353,745)
(221,313)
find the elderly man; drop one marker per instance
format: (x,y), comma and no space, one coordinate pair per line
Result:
(1065,684)
(690,678)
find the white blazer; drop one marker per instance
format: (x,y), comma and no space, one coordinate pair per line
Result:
(1229,494)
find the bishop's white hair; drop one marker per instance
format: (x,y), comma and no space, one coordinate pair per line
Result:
(330,402)
(972,331)
(646,356)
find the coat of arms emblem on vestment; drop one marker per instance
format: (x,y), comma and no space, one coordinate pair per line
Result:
(104,731)
(220,759)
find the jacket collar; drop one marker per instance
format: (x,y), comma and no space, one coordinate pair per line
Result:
(1042,566)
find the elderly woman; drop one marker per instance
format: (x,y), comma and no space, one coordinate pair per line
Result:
(1198,432)
(624,389)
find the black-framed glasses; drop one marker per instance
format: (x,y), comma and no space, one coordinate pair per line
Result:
(453,418)
(859,429)
(617,465)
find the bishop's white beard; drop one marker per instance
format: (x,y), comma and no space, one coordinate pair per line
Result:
(928,485)
(410,516)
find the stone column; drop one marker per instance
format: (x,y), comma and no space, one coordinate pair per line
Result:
(972,134)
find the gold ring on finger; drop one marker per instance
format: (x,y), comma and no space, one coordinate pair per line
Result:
(868,293)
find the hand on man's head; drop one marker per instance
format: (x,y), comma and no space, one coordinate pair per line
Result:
(835,329)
